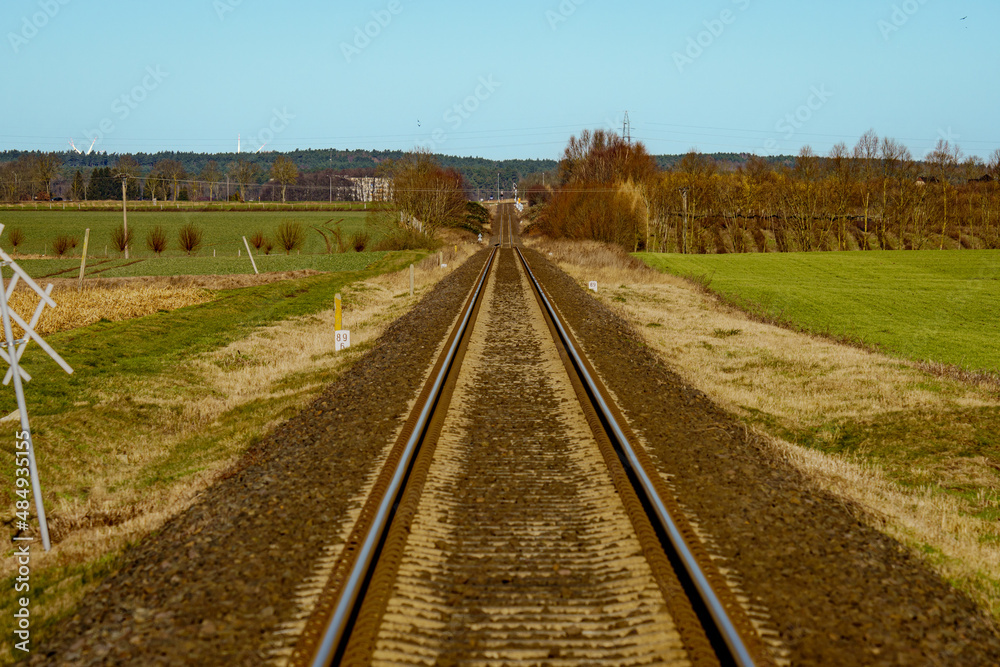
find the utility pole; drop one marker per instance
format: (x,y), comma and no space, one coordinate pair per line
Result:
(627,130)
(498,188)
(124,219)
(331,188)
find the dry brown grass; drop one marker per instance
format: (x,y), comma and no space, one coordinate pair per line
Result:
(116,299)
(78,309)
(230,281)
(784,382)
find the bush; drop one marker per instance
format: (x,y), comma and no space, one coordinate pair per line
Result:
(290,235)
(359,241)
(257,239)
(63,244)
(156,240)
(331,234)
(16,237)
(268,246)
(121,239)
(190,238)
(406,239)
(476,216)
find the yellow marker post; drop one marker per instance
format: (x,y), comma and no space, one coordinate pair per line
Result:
(337,315)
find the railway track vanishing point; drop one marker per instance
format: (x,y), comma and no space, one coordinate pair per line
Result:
(517,519)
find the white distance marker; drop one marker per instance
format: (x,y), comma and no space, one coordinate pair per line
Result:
(342,340)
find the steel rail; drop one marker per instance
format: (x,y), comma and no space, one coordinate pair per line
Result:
(334,635)
(734,651)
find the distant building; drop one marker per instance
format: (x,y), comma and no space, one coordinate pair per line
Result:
(371,188)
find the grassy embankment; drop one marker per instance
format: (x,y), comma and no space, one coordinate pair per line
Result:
(915,445)
(158,406)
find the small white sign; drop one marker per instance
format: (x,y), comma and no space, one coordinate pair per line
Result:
(342,340)
(593,285)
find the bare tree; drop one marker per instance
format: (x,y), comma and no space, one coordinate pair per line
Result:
(865,155)
(210,176)
(943,160)
(427,195)
(994,164)
(891,155)
(285,172)
(244,173)
(43,169)
(804,197)
(842,169)
(173,171)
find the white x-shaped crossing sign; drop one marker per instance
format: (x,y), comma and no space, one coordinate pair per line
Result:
(12,355)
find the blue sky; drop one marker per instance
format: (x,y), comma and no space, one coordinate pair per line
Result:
(497,80)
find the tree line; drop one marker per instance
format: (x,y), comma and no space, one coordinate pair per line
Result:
(320,172)
(873,195)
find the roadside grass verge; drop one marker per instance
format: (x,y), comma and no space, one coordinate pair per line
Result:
(917,451)
(160,406)
(923,305)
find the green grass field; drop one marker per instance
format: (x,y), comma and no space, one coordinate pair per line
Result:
(223,230)
(923,305)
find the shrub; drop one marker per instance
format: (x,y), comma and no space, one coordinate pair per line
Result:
(331,234)
(476,216)
(156,240)
(121,239)
(63,244)
(359,241)
(190,238)
(338,235)
(16,237)
(257,239)
(268,246)
(406,239)
(290,235)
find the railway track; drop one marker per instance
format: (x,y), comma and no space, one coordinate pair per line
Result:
(516,521)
